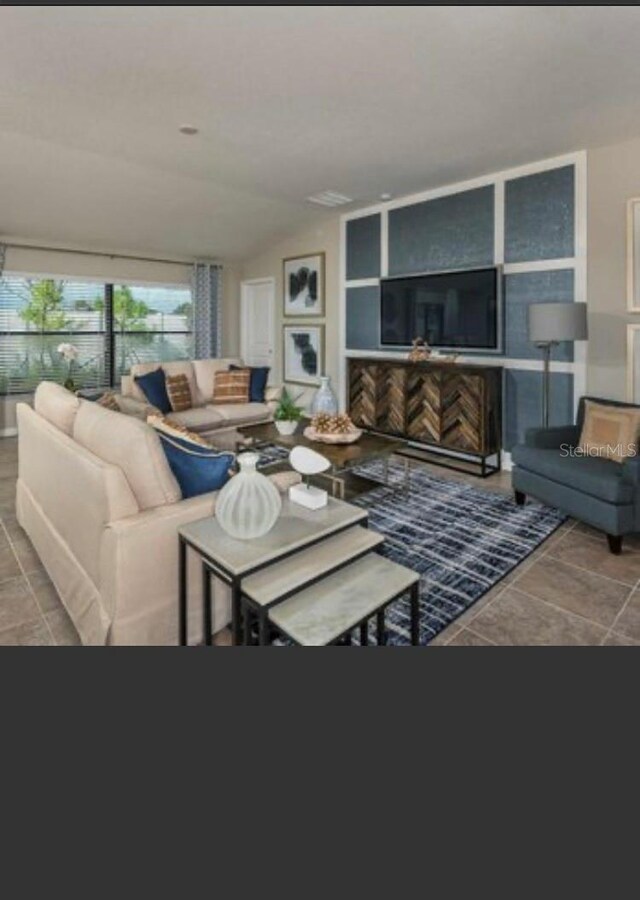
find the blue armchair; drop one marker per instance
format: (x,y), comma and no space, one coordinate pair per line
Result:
(600,492)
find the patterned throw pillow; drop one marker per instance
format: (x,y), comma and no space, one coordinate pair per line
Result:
(179,392)
(108,400)
(610,432)
(231,387)
(197,466)
(174,429)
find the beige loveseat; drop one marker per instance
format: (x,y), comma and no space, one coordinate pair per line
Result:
(205,416)
(102,508)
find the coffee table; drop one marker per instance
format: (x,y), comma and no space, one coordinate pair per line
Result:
(342,457)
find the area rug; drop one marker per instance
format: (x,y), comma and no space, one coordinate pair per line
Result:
(461,539)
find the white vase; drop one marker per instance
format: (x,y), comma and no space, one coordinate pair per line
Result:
(249,504)
(324,400)
(285,426)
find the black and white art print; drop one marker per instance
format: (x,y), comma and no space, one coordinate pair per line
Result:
(304,285)
(303,353)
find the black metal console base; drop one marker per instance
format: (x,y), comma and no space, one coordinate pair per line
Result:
(475,465)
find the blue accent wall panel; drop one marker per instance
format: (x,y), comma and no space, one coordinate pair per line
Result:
(523,403)
(363,247)
(539,216)
(363,318)
(451,232)
(525,288)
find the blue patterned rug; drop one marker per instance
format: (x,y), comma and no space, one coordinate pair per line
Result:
(461,539)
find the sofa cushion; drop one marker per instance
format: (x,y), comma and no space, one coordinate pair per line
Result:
(179,391)
(154,386)
(204,370)
(132,446)
(242,413)
(200,418)
(598,477)
(57,405)
(231,387)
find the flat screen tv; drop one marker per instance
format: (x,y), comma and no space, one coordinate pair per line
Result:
(450,310)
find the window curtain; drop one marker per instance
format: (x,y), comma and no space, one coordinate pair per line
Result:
(207,308)
(3,254)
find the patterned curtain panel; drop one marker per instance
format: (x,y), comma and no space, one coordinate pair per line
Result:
(207,308)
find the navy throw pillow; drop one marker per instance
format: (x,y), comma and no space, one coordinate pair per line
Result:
(257,382)
(197,470)
(154,387)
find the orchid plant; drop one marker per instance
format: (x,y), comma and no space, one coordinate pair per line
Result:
(70,353)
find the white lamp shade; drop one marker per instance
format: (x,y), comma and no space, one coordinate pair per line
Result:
(552,322)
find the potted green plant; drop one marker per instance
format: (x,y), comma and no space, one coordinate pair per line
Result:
(287,413)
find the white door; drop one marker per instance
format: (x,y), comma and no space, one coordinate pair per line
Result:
(257,322)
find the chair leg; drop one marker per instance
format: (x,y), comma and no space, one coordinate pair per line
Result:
(615,543)
(521,498)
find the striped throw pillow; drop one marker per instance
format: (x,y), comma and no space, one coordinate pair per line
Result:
(174,429)
(179,392)
(108,400)
(231,387)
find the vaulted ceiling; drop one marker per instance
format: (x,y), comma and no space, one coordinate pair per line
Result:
(288,101)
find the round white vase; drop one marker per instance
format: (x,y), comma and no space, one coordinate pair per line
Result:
(285,426)
(249,504)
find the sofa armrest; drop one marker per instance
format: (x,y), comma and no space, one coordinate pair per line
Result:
(631,470)
(552,438)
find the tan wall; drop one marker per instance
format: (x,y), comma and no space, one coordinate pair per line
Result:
(613,178)
(325,238)
(231,310)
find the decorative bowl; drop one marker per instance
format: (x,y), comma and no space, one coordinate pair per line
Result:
(349,437)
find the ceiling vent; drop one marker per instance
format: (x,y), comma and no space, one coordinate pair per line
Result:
(330,198)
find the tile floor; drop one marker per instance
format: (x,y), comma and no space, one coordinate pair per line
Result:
(570,591)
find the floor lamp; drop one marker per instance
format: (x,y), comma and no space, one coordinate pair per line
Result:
(549,324)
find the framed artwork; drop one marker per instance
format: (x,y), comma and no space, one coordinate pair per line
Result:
(633,363)
(303,281)
(303,353)
(633,255)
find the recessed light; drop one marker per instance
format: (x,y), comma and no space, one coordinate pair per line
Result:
(188,129)
(385,196)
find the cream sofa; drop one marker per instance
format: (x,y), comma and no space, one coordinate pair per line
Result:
(102,508)
(205,416)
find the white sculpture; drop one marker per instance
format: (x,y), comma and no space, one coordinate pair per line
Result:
(307,462)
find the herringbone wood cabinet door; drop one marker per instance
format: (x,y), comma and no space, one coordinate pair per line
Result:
(462,397)
(423,405)
(362,393)
(390,399)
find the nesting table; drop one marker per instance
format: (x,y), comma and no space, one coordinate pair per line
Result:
(283,580)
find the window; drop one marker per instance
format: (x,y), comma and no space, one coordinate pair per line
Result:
(149,324)
(113,327)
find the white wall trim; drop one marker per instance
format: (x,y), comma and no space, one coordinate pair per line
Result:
(363,282)
(540,265)
(341,387)
(384,244)
(543,165)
